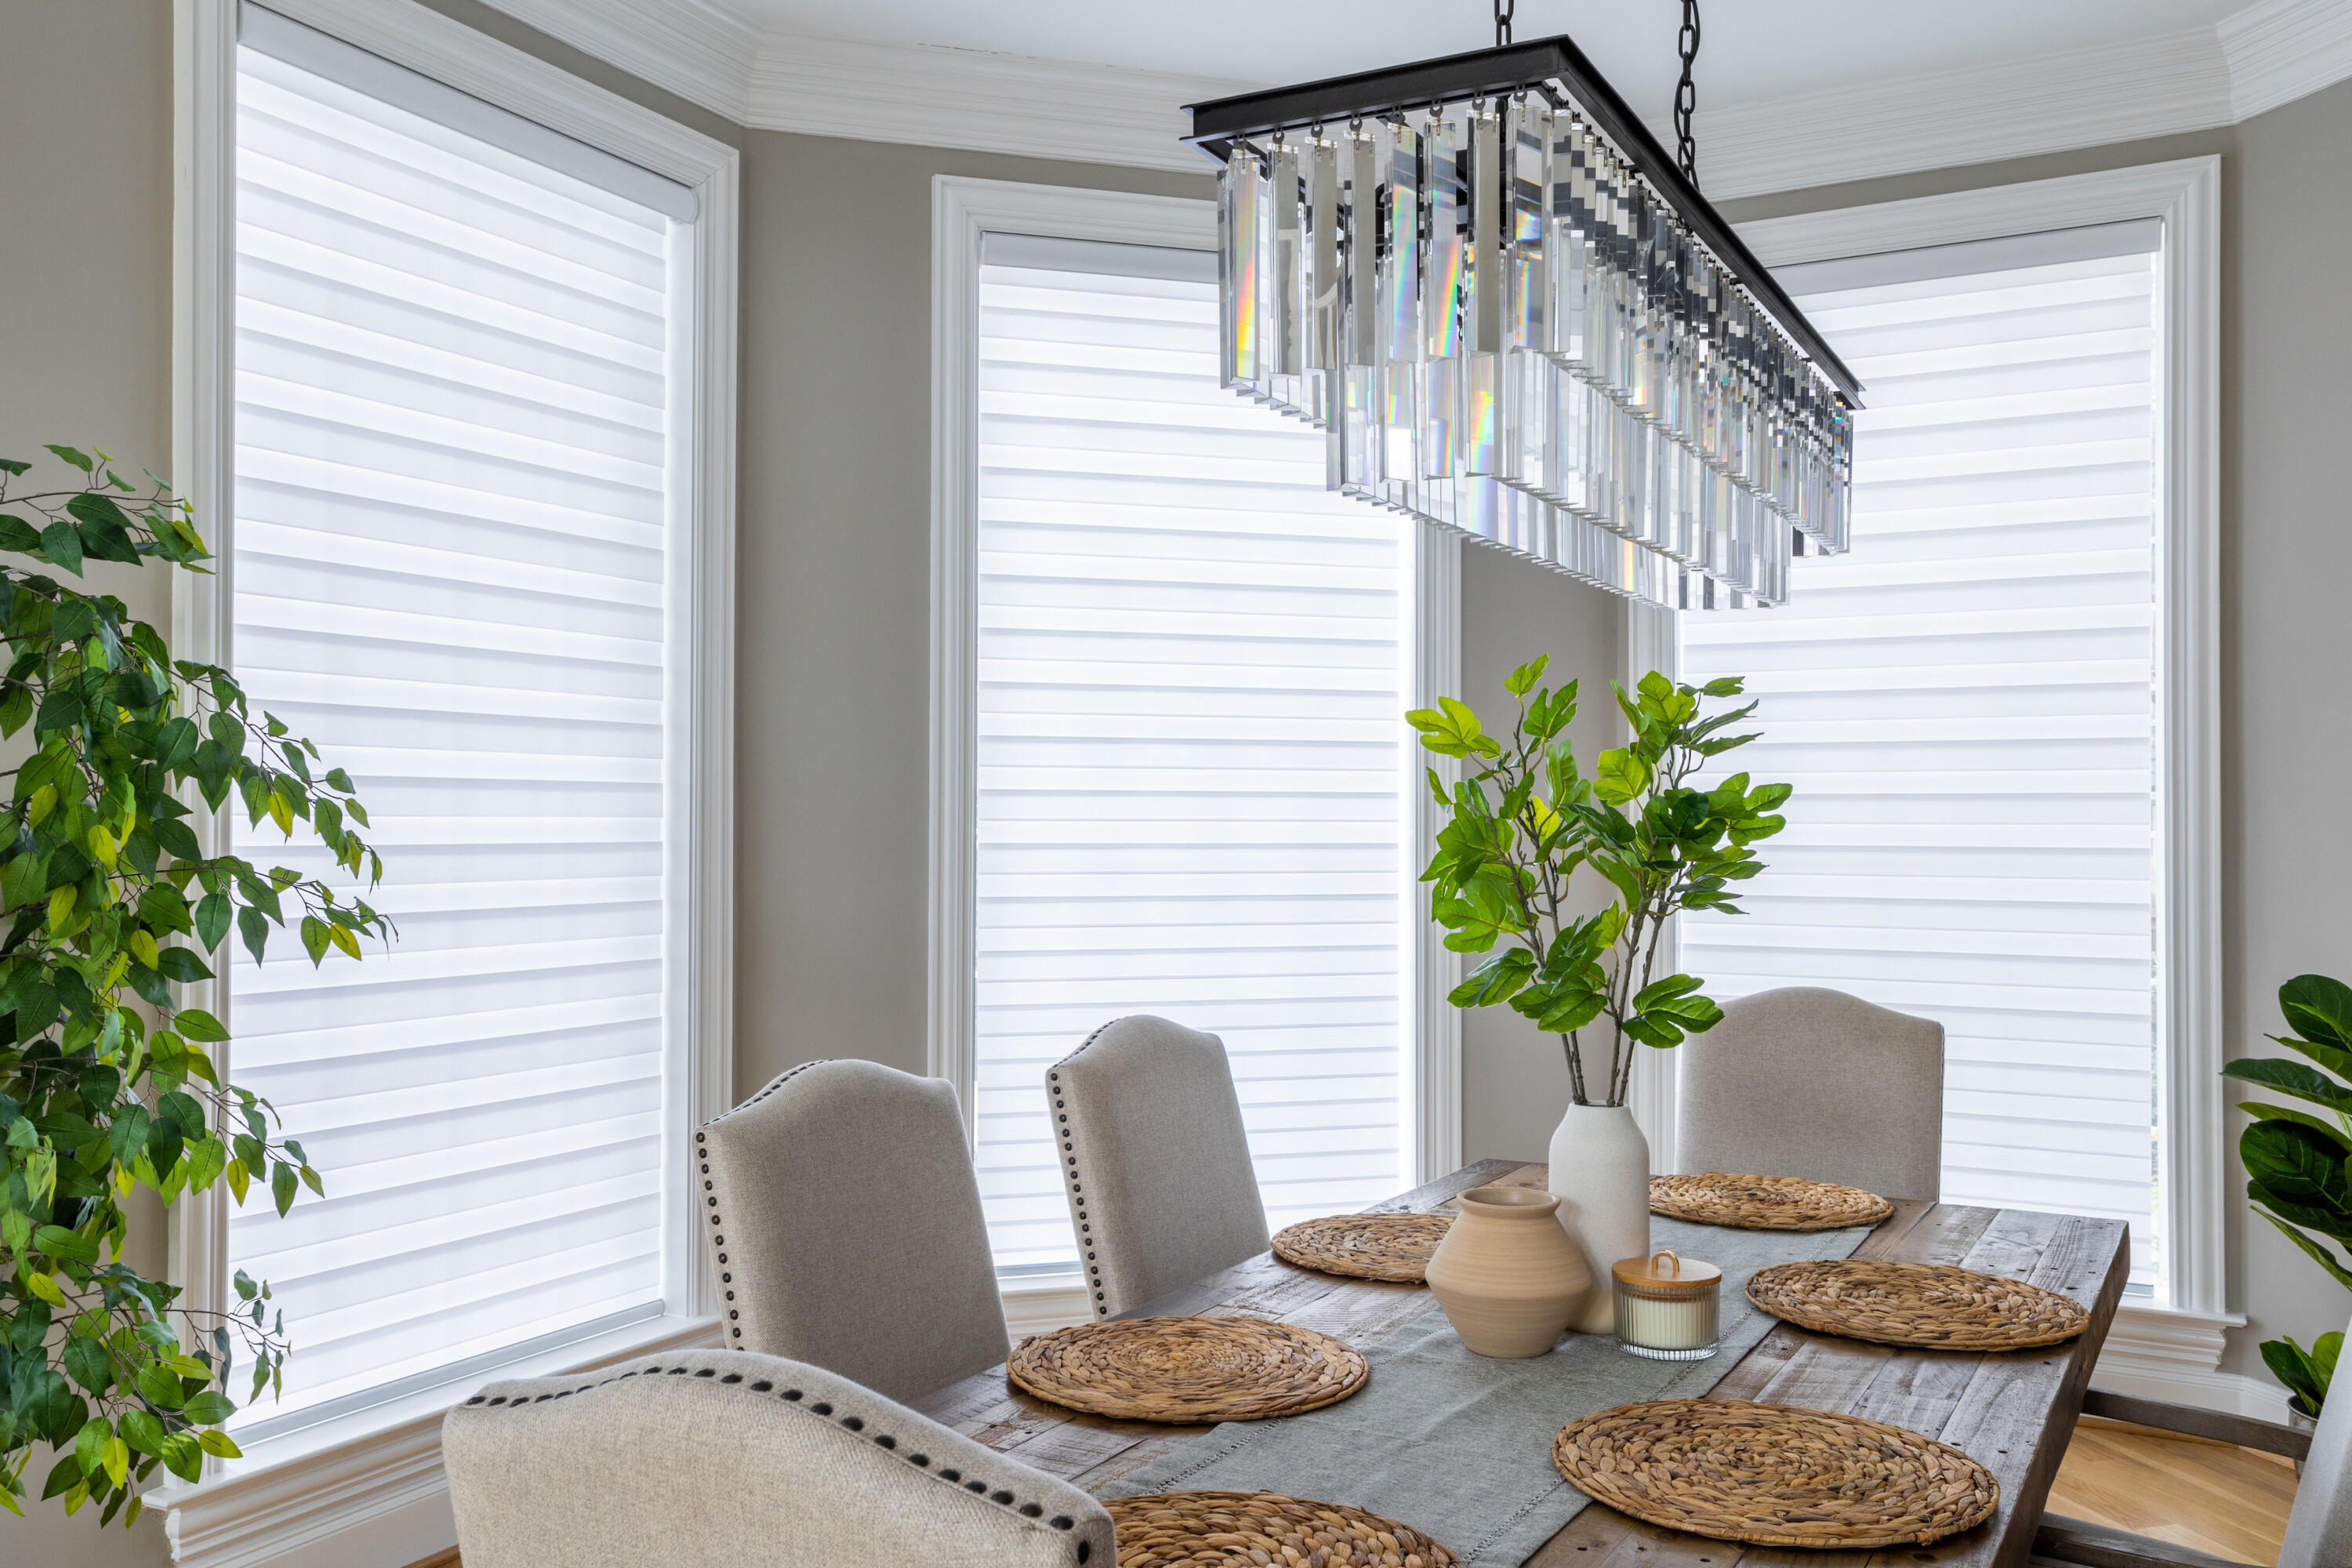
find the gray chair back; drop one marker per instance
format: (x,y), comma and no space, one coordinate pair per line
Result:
(2319,1529)
(705,1458)
(1154,1159)
(1805,1082)
(844,1217)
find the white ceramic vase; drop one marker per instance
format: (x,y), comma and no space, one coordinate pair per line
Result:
(1600,1174)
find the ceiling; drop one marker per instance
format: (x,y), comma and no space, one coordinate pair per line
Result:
(1753,50)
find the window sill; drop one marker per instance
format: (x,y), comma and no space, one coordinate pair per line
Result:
(1036,1304)
(367,1490)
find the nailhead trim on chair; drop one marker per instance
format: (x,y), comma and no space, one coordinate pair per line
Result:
(711,1199)
(1069,1155)
(820,1409)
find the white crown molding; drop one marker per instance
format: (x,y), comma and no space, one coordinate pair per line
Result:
(2279,50)
(700,49)
(2090,98)
(970,99)
(2266,54)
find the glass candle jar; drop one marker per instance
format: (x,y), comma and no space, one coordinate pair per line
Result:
(1667,1306)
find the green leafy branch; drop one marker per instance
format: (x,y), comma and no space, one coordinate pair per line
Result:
(2298,1163)
(109,901)
(1527,820)
(2305,1372)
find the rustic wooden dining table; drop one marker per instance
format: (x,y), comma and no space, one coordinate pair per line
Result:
(2013,1411)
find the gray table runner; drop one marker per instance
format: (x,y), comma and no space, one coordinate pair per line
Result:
(1459,1445)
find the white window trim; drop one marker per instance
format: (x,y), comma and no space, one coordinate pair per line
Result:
(368,1491)
(2172,1350)
(962,210)
(1651,642)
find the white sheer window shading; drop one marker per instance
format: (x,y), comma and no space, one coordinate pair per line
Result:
(452,525)
(1966,705)
(1191,692)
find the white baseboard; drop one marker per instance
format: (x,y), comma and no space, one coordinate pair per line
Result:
(2177,1357)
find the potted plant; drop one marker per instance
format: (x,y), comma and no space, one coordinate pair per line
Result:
(2295,1161)
(1524,822)
(106,1083)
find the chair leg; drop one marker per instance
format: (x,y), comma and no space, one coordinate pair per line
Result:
(2242,1430)
(2061,1539)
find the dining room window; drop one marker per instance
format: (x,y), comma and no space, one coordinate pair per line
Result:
(1968,707)
(1191,665)
(458,519)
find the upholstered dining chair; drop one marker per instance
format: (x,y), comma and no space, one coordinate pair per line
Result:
(844,1219)
(704,1458)
(2319,1528)
(1805,1081)
(1154,1159)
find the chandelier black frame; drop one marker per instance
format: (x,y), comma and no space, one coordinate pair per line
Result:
(1723,447)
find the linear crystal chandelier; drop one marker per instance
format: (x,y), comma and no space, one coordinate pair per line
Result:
(1515,317)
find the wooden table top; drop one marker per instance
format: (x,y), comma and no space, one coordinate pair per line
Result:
(2013,1411)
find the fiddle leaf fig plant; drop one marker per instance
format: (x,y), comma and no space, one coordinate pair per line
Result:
(1527,820)
(2297,1160)
(107,899)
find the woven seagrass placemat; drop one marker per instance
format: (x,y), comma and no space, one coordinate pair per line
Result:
(1774,1475)
(1765,1203)
(1932,1306)
(1222,1530)
(1459,1445)
(1187,1369)
(1394,1247)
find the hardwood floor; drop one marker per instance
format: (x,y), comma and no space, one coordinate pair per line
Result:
(2232,1502)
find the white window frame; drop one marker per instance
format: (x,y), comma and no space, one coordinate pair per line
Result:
(2170,1349)
(962,211)
(367,1490)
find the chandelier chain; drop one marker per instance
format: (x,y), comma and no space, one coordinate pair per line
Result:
(1504,11)
(1686,95)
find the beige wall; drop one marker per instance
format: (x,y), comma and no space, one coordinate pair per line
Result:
(2286,335)
(835,533)
(85,354)
(1514,1080)
(833,652)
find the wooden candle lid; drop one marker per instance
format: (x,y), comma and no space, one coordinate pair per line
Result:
(1677,1277)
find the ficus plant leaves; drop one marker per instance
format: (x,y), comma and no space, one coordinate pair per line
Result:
(106,1083)
(2296,1166)
(2319,1008)
(1525,819)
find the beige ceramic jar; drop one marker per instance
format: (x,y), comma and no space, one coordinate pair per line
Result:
(1507,1274)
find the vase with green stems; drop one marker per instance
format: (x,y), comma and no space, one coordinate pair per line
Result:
(1520,825)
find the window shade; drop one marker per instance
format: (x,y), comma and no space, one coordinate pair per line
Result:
(1966,706)
(1191,684)
(448,569)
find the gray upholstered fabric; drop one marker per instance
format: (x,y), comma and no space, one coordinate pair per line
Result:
(1154,1159)
(2319,1530)
(1804,1081)
(715,1457)
(841,1203)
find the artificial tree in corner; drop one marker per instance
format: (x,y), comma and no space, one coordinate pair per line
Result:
(105,1084)
(1523,823)
(2297,1162)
